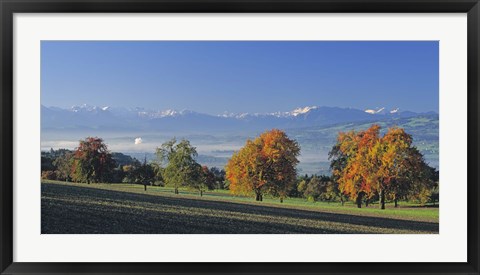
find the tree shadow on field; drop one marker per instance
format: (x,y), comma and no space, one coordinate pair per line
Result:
(76,210)
(422,206)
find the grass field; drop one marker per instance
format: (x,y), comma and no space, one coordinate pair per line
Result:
(69,208)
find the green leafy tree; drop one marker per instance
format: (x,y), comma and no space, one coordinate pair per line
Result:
(219,175)
(201,180)
(140,174)
(313,189)
(330,191)
(321,188)
(208,177)
(158,170)
(63,164)
(122,159)
(302,185)
(424,186)
(48,158)
(181,168)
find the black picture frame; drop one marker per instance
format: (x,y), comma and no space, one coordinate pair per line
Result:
(9,7)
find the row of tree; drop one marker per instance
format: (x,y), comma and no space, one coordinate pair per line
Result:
(366,167)
(91,162)
(369,166)
(326,189)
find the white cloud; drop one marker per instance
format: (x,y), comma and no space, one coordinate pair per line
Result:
(138,141)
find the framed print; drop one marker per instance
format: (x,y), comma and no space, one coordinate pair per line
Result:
(239,137)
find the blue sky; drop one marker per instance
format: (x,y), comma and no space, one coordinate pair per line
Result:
(240,76)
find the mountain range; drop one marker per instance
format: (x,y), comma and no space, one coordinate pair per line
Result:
(141,119)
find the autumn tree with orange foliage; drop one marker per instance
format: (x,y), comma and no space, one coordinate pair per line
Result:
(92,162)
(265,165)
(364,164)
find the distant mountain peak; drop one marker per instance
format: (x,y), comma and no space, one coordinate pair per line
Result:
(227,115)
(86,108)
(382,111)
(169,112)
(294,113)
(373,112)
(303,110)
(162,114)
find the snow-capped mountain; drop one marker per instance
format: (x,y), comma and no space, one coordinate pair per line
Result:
(114,118)
(161,114)
(377,111)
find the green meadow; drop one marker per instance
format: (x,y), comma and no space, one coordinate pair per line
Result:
(74,208)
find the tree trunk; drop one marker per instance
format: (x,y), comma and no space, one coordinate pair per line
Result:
(145,187)
(359,200)
(341,199)
(366,203)
(201,193)
(281,200)
(382,199)
(257,196)
(176,190)
(396,201)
